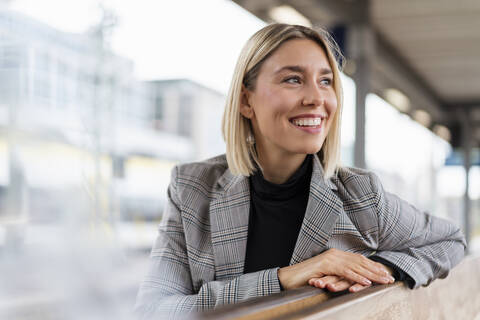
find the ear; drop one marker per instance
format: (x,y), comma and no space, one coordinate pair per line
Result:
(245,109)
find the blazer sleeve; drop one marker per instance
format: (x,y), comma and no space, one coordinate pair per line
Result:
(167,289)
(424,246)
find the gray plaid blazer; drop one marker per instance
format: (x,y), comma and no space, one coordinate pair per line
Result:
(198,258)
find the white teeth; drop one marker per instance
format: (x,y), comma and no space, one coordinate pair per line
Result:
(307,122)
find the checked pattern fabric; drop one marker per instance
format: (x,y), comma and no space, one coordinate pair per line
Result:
(197,260)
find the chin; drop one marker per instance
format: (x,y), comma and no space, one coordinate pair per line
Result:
(309,149)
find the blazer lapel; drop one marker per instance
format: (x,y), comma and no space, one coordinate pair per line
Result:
(323,210)
(229,214)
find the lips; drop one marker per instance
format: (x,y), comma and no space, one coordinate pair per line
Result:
(308,120)
(309,123)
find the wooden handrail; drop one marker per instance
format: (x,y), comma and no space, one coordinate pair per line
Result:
(269,307)
(456,297)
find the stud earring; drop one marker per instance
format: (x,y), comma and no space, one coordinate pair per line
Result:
(251,139)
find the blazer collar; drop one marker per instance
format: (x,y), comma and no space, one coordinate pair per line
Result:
(228,179)
(323,209)
(229,215)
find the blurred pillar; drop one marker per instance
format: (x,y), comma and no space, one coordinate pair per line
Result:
(467,147)
(360,52)
(16,215)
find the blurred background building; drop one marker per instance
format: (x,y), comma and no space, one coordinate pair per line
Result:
(87,143)
(72,112)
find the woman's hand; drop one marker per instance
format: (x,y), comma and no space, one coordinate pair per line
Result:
(333,262)
(336,283)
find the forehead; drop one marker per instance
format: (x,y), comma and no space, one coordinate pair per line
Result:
(302,52)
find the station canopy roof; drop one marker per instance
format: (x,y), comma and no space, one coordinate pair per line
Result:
(426,55)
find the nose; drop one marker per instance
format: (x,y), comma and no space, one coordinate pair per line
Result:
(313,97)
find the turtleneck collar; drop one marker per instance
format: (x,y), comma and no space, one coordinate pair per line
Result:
(298,182)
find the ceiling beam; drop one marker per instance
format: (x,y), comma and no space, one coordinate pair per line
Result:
(387,60)
(332,12)
(402,76)
(474,104)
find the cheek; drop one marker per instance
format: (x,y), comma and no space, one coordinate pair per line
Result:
(331,104)
(271,104)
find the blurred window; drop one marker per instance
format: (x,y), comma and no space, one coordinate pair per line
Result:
(42,61)
(62,94)
(10,57)
(185,115)
(159,112)
(85,88)
(63,73)
(63,69)
(42,76)
(42,85)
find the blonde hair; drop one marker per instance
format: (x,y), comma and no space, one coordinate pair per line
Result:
(241,156)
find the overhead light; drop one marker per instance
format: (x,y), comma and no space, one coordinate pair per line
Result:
(443,132)
(287,14)
(396,98)
(422,117)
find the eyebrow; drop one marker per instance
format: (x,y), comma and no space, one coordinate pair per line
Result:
(301,69)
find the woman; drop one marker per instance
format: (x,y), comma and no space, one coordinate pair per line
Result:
(277,211)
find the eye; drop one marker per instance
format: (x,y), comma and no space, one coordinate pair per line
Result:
(326,82)
(293,79)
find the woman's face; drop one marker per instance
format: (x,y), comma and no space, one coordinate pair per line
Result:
(293,104)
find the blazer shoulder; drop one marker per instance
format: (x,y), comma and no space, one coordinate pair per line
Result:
(357,182)
(203,174)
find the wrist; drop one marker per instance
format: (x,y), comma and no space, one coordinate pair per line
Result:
(284,277)
(281,278)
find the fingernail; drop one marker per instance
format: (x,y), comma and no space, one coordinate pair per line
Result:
(392,279)
(388,279)
(319,282)
(368,282)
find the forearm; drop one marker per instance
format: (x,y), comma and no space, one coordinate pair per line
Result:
(422,245)
(434,247)
(161,296)
(426,263)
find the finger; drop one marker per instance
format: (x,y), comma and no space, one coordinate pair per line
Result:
(356,263)
(386,270)
(339,285)
(323,281)
(353,266)
(357,287)
(372,276)
(368,272)
(378,268)
(330,280)
(374,267)
(353,276)
(312,281)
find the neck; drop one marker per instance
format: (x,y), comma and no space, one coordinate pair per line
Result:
(278,168)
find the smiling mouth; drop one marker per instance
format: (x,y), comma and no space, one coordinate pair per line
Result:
(307,122)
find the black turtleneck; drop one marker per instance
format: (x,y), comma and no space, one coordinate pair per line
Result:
(276,215)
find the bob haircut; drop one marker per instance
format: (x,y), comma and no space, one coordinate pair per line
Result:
(242,156)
